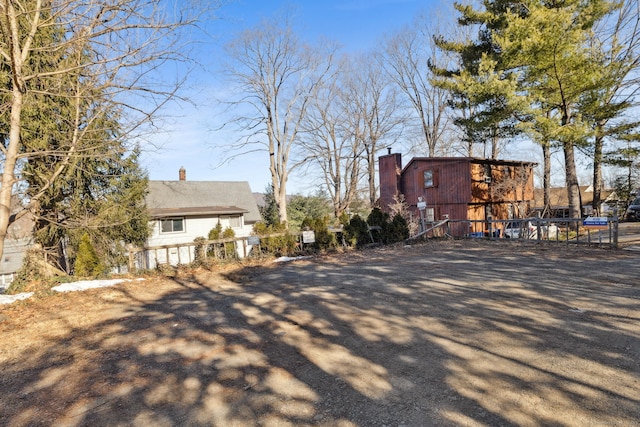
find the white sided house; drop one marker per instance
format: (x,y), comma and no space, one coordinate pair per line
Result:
(183,210)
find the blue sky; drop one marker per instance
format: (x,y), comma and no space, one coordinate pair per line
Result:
(188,139)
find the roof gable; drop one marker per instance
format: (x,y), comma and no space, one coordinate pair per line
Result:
(171,198)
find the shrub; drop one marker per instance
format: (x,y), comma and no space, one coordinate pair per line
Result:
(324,239)
(284,244)
(199,256)
(343,219)
(229,247)
(356,232)
(216,232)
(400,207)
(87,262)
(398,230)
(377,218)
(222,250)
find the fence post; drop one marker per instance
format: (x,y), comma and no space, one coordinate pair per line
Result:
(132,265)
(615,228)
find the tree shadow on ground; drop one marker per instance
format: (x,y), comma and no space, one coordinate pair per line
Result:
(428,335)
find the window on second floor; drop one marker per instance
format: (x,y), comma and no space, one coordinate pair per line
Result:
(430,178)
(172,225)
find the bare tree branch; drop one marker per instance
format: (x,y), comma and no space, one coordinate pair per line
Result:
(118,48)
(276,77)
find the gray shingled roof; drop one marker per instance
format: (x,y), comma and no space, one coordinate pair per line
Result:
(171,198)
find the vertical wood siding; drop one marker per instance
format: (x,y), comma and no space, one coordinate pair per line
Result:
(450,192)
(462,188)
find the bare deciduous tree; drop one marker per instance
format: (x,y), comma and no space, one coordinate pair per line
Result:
(407,56)
(116,48)
(276,77)
(332,143)
(375,116)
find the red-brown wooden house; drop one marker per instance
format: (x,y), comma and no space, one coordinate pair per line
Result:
(461,188)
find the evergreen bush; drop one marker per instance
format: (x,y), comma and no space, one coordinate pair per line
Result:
(275,245)
(87,263)
(398,229)
(324,239)
(229,247)
(377,218)
(356,232)
(216,232)
(222,250)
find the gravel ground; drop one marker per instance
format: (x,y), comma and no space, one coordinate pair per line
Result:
(451,333)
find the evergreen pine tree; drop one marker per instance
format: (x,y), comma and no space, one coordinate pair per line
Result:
(533,58)
(269,210)
(101,188)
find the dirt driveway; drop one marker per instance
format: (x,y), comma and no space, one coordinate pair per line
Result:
(453,333)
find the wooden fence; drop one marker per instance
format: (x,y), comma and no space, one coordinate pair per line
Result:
(151,257)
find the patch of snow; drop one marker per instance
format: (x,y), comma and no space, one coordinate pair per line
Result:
(67,287)
(86,284)
(9,299)
(89,284)
(288,258)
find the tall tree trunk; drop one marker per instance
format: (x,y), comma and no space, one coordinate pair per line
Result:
(279,182)
(431,144)
(282,204)
(597,169)
(494,144)
(573,188)
(546,178)
(10,27)
(282,192)
(277,169)
(571,174)
(371,170)
(8,171)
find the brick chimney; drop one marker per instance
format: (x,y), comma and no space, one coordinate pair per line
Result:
(182,173)
(389,168)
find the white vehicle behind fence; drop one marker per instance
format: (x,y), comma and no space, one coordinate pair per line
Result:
(526,229)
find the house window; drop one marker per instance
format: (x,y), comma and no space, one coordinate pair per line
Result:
(235,221)
(172,225)
(429,179)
